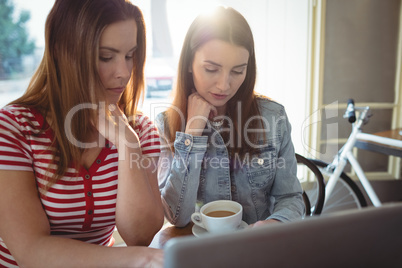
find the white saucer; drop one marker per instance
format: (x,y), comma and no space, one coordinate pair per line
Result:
(198,230)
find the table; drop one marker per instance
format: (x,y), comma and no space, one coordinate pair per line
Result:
(169,231)
(381,148)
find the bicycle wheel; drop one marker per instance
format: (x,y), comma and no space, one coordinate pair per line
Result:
(345,195)
(313,186)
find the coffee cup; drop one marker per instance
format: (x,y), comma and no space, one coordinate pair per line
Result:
(219,216)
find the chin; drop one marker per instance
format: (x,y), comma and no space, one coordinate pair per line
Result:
(219,103)
(112,99)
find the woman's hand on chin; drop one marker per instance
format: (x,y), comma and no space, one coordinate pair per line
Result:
(114,126)
(198,112)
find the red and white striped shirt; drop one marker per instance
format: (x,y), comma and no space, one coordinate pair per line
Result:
(81,205)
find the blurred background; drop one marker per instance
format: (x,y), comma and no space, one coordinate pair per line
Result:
(280,29)
(312,55)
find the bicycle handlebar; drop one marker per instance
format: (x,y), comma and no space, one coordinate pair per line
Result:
(350,111)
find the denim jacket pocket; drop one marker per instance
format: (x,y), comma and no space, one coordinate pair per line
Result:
(261,167)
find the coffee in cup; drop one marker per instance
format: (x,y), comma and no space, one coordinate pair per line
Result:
(219,216)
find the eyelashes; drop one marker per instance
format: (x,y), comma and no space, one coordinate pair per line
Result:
(216,70)
(237,72)
(107,59)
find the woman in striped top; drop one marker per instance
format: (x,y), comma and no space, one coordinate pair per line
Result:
(76,158)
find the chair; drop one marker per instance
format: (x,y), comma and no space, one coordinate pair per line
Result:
(313,185)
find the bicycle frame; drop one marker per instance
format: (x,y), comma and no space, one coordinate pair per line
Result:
(345,154)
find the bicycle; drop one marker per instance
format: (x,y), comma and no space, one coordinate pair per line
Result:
(313,190)
(341,192)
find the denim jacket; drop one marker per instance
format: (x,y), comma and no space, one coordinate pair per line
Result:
(198,172)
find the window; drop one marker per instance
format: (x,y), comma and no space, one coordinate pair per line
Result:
(280,28)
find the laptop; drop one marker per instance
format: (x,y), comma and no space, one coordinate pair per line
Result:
(369,237)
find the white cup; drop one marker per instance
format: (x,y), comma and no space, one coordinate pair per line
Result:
(219,221)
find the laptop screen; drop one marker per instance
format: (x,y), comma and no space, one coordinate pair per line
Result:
(370,237)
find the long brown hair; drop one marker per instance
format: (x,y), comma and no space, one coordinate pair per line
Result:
(228,25)
(68,75)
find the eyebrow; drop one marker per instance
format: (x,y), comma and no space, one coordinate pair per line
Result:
(217,64)
(116,50)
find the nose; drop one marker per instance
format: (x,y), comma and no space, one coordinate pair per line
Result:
(123,69)
(224,81)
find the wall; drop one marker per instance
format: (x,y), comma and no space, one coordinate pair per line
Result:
(360,62)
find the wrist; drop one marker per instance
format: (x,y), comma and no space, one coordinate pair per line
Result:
(195,131)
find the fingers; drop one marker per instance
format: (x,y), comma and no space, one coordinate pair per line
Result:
(198,112)
(114,125)
(198,106)
(116,112)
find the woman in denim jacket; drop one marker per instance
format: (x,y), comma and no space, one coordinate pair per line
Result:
(221,140)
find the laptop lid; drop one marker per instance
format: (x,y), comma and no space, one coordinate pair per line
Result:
(370,237)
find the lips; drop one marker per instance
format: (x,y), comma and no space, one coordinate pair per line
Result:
(117,90)
(219,96)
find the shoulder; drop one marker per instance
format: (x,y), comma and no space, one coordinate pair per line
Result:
(144,127)
(269,105)
(21,116)
(20,134)
(17,111)
(148,135)
(160,118)
(142,120)
(160,121)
